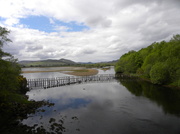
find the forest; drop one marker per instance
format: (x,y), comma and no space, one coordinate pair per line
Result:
(159,62)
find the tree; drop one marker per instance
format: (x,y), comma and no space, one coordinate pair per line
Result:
(129,63)
(3,40)
(176,38)
(159,62)
(9,68)
(159,73)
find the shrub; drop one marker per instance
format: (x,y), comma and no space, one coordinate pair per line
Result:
(159,73)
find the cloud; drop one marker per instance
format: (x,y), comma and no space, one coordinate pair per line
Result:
(98,21)
(107,29)
(61,28)
(33,48)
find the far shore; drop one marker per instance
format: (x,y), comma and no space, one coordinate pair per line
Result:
(75,72)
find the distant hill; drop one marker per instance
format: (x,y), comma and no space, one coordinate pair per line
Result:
(47,63)
(63,62)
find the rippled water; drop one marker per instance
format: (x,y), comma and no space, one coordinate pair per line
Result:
(118,107)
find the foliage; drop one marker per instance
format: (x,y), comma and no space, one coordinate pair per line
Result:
(9,68)
(159,73)
(159,62)
(3,40)
(129,62)
(9,72)
(97,65)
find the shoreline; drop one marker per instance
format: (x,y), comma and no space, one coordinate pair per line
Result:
(148,80)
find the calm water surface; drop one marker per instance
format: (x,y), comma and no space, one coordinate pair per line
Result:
(118,107)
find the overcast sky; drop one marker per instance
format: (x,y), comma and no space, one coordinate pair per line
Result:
(86,30)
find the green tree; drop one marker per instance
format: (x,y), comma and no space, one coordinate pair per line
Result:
(129,63)
(159,62)
(9,68)
(175,38)
(159,73)
(9,72)
(3,40)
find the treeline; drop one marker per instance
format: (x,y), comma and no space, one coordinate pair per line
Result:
(159,62)
(96,65)
(88,65)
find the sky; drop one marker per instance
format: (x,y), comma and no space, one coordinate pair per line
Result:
(86,30)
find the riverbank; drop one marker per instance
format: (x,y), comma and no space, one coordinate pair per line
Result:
(15,107)
(148,80)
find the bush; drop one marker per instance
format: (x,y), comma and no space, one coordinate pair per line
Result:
(147,70)
(119,69)
(159,73)
(23,84)
(9,72)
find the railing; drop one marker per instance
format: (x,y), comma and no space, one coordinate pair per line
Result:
(61,81)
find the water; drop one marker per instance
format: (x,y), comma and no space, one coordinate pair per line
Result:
(56,74)
(106,108)
(118,107)
(46,74)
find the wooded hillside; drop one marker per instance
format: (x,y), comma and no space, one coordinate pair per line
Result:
(159,62)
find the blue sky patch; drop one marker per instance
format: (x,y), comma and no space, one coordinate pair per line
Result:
(48,25)
(2,19)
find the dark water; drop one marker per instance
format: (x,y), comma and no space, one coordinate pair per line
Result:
(119,107)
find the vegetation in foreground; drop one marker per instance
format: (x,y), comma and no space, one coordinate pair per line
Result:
(14,103)
(159,62)
(10,81)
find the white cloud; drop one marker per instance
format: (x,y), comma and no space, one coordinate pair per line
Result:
(115,27)
(61,28)
(51,21)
